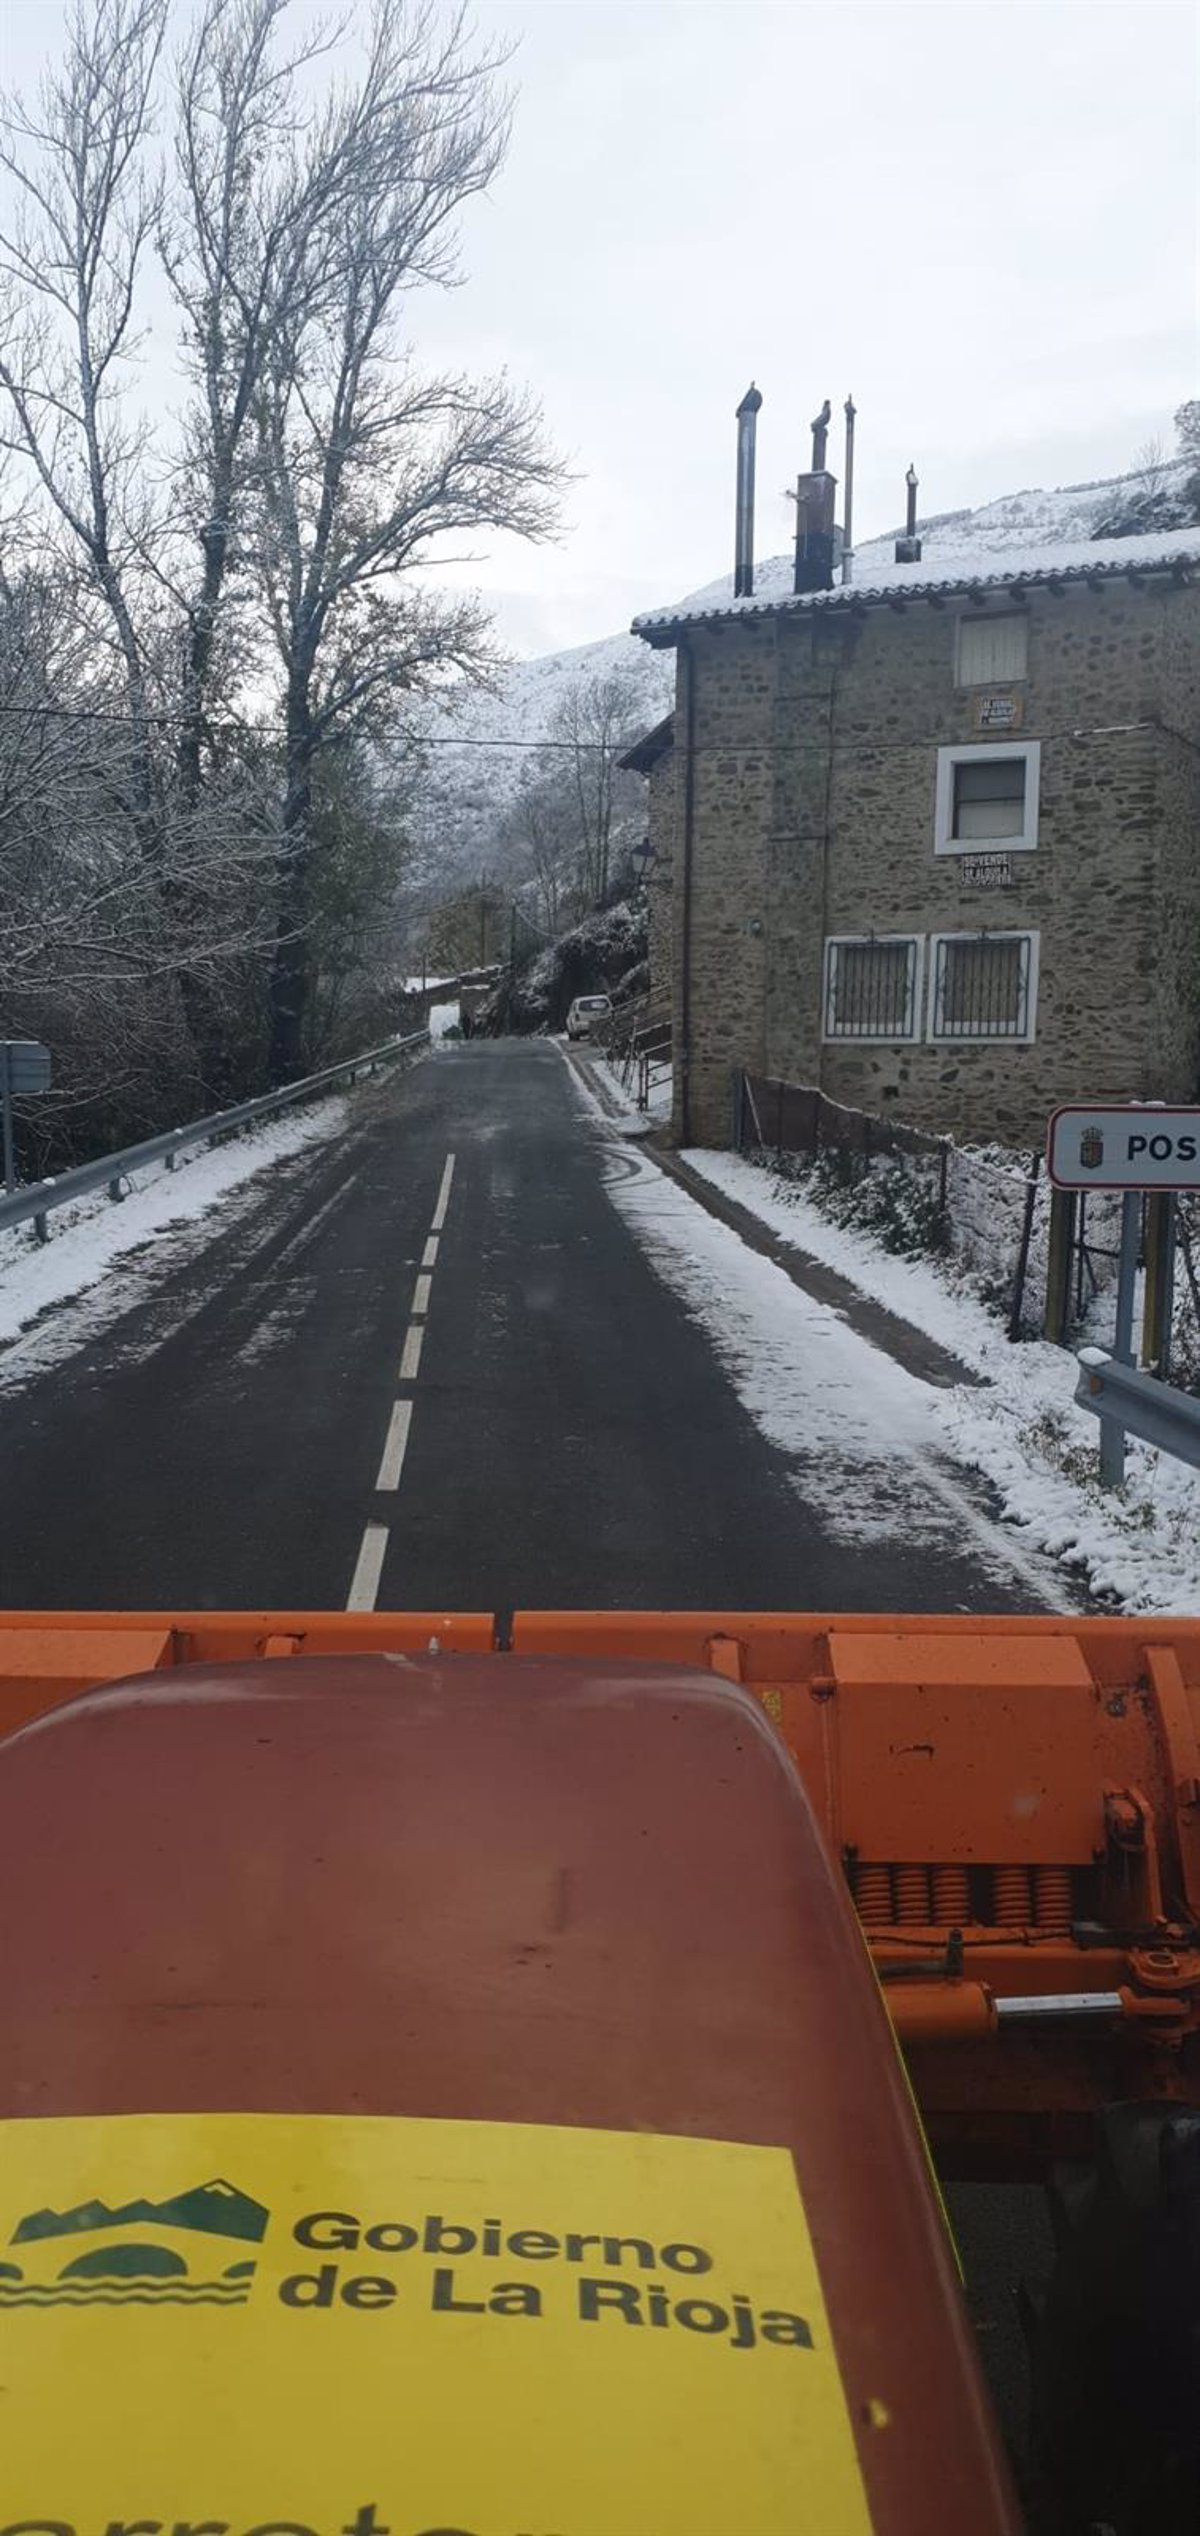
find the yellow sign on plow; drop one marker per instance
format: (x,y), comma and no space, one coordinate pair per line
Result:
(316,2325)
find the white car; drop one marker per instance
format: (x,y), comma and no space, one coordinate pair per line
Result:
(588,1015)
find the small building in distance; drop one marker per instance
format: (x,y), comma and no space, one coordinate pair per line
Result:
(653,756)
(929,838)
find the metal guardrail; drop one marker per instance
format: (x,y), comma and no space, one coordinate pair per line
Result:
(1139,1404)
(32,1205)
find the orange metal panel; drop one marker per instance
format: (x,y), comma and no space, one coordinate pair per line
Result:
(1178,1715)
(43,1664)
(980,1747)
(985,1658)
(47,1657)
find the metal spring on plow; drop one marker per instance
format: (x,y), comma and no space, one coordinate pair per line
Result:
(873,1894)
(951,1896)
(1012,1900)
(1052,1899)
(912,1894)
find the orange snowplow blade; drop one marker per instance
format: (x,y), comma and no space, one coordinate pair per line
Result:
(448,2091)
(1015,1804)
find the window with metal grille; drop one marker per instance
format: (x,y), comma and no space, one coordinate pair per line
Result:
(871,986)
(987,794)
(992,651)
(983,986)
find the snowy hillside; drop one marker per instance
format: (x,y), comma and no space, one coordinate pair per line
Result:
(481,747)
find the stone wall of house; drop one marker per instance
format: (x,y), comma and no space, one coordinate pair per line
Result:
(662,807)
(1177,777)
(814,785)
(726,912)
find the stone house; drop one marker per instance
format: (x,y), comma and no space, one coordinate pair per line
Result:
(930,840)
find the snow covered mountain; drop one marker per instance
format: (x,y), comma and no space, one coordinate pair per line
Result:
(481,746)
(1017,523)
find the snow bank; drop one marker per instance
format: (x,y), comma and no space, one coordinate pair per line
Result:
(862,1435)
(1140,1547)
(88,1238)
(619,1096)
(443,1018)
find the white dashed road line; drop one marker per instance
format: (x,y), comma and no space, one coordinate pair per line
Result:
(396,1447)
(365,1585)
(369,1566)
(439,1212)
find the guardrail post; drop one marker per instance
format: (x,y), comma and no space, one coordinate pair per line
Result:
(1121,1396)
(1058,1265)
(41,1229)
(1160,1282)
(114,1190)
(1031,1198)
(1112,1433)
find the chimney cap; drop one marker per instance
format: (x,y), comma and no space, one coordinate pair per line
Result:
(751,402)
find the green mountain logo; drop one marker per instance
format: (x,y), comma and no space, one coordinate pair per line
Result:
(131,2258)
(215,2210)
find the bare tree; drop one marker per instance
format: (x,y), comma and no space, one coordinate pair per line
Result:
(366,466)
(1150,467)
(1187,429)
(177,859)
(593,724)
(71,260)
(250,241)
(539,833)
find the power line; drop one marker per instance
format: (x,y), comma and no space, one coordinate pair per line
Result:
(545,743)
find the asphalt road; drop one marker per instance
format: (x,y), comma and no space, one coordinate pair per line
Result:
(492,1340)
(570,1438)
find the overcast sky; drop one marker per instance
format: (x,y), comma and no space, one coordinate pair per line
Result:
(979,217)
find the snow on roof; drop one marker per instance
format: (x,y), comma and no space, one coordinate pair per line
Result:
(878,581)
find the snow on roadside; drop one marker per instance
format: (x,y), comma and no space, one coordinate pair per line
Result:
(91,1236)
(443,1018)
(1140,1548)
(658,1107)
(859,1431)
(660,1096)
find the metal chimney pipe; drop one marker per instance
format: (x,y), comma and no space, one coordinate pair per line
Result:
(747,423)
(848,515)
(911,480)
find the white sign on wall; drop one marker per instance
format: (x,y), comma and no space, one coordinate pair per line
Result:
(1140,1146)
(999,713)
(985,871)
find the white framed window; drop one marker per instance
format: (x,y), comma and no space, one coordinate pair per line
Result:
(987,795)
(983,985)
(873,985)
(991,651)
